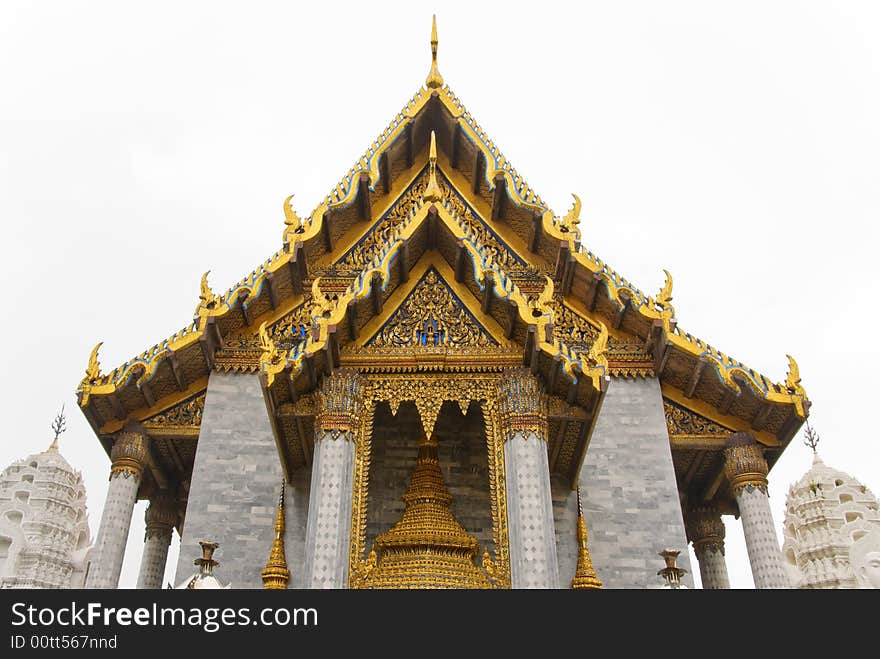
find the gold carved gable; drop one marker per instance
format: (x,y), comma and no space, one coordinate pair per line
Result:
(682,422)
(185,415)
(432,315)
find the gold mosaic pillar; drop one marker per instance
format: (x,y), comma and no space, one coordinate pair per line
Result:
(523,422)
(128,455)
(746,471)
(705,529)
(328,529)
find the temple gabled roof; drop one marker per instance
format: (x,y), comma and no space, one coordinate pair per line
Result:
(574,319)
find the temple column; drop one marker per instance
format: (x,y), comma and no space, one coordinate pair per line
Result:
(328,529)
(705,529)
(523,423)
(160,517)
(746,471)
(128,457)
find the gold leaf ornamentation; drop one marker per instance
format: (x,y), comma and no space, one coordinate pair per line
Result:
(431,316)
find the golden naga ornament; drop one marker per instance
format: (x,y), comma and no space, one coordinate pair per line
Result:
(664,298)
(542,306)
(569,223)
(293,224)
(322,304)
(434,80)
(427,548)
(276,575)
(93,370)
(207,298)
(270,353)
(793,378)
(599,349)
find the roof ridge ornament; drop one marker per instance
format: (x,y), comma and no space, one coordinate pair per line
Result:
(664,297)
(793,378)
(598,353)
(432,191)
(270,354)
(293,223)
(434,80)
(569,223)
(207,298)
(93,370)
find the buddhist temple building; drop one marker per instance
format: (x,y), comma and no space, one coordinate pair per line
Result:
(436,366)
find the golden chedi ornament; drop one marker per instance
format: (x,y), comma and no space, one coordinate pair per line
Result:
(584,576)
(427,548)
(275,574)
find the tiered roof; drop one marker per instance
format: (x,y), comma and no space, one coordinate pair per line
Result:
(510,259)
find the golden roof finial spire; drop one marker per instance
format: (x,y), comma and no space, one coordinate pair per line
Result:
(584,576)
(275,574)
(435,80)
(433,192)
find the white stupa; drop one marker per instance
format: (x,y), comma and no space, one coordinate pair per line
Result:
(825,512)
(44,526)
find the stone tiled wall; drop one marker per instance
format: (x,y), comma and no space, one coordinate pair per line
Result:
(463,461)
(629,493)
(233,496)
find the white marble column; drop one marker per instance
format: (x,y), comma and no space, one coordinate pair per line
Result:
(705,529)
(532,537)
(746,471)
(128,458)
(328,529)
(160,519)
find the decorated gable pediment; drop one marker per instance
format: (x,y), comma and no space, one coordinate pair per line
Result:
(432,315)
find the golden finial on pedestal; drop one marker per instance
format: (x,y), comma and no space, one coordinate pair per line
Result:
(433,192)
(671,574)
(435,80)
(584,576)
(275,574)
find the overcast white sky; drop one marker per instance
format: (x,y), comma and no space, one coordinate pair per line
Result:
(735,144)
